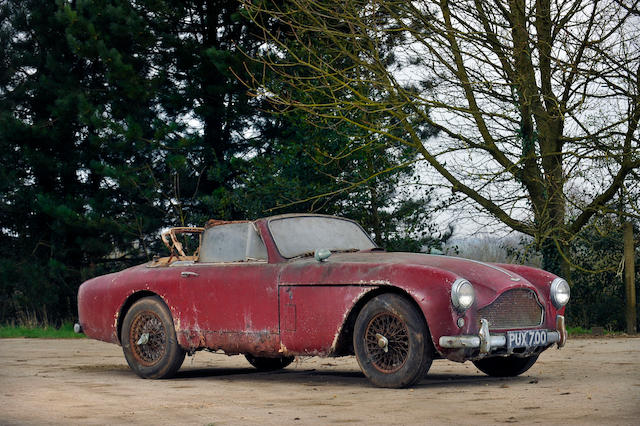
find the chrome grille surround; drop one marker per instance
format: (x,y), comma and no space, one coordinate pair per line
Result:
(516,308)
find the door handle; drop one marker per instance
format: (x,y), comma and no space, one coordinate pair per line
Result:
(187,274)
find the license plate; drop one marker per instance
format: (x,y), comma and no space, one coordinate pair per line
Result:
(526,339)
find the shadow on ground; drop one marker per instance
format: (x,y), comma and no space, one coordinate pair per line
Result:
(346,377)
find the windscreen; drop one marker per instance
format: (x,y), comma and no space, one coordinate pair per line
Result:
(236,242)
(299,235)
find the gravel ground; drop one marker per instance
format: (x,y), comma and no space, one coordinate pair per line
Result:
(590,381)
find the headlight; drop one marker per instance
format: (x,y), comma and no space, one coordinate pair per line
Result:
(462,294)
(560,292)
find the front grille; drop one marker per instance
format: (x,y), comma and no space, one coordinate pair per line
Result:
(518,308)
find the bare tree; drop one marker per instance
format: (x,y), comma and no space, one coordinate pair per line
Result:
(534,101)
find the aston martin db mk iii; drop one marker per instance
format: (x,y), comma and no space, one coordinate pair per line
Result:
(313,285)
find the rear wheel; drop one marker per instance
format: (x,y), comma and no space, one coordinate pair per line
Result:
(505,366)
(269,364)
(391,342)
(149,340)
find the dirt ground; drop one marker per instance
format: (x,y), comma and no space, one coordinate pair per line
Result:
(590,381)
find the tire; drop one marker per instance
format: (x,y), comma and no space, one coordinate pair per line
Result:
(160,356)
(391,322)
(508,366)
(269,364)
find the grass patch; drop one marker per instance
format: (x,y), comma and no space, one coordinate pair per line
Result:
(64,332)
(577,331)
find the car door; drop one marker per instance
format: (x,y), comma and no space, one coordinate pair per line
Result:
(230,295)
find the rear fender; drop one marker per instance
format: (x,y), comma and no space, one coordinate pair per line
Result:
(122,312)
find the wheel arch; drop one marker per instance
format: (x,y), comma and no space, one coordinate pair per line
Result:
(133,298)
(344,342)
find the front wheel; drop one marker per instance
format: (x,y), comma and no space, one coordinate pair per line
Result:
(149,340)
(391,342)
(269,364)
(505,366)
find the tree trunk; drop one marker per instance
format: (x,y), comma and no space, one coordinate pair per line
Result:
(629,278)
(555,261)
(375,216)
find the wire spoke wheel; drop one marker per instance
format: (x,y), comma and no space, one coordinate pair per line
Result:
(387,340)
(391,341)
(148,338)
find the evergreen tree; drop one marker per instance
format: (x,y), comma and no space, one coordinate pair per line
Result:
(72,119)
(198,42)
(120,118)
(42,217)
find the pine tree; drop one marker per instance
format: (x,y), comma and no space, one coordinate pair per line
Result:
(74,112)
(197,45)
(118,119)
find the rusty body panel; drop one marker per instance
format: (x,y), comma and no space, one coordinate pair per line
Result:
(301,306)
(232,306)
(312,316)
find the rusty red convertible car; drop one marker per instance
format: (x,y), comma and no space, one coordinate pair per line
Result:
(314,285)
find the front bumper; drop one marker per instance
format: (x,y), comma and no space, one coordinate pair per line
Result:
(485,342)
